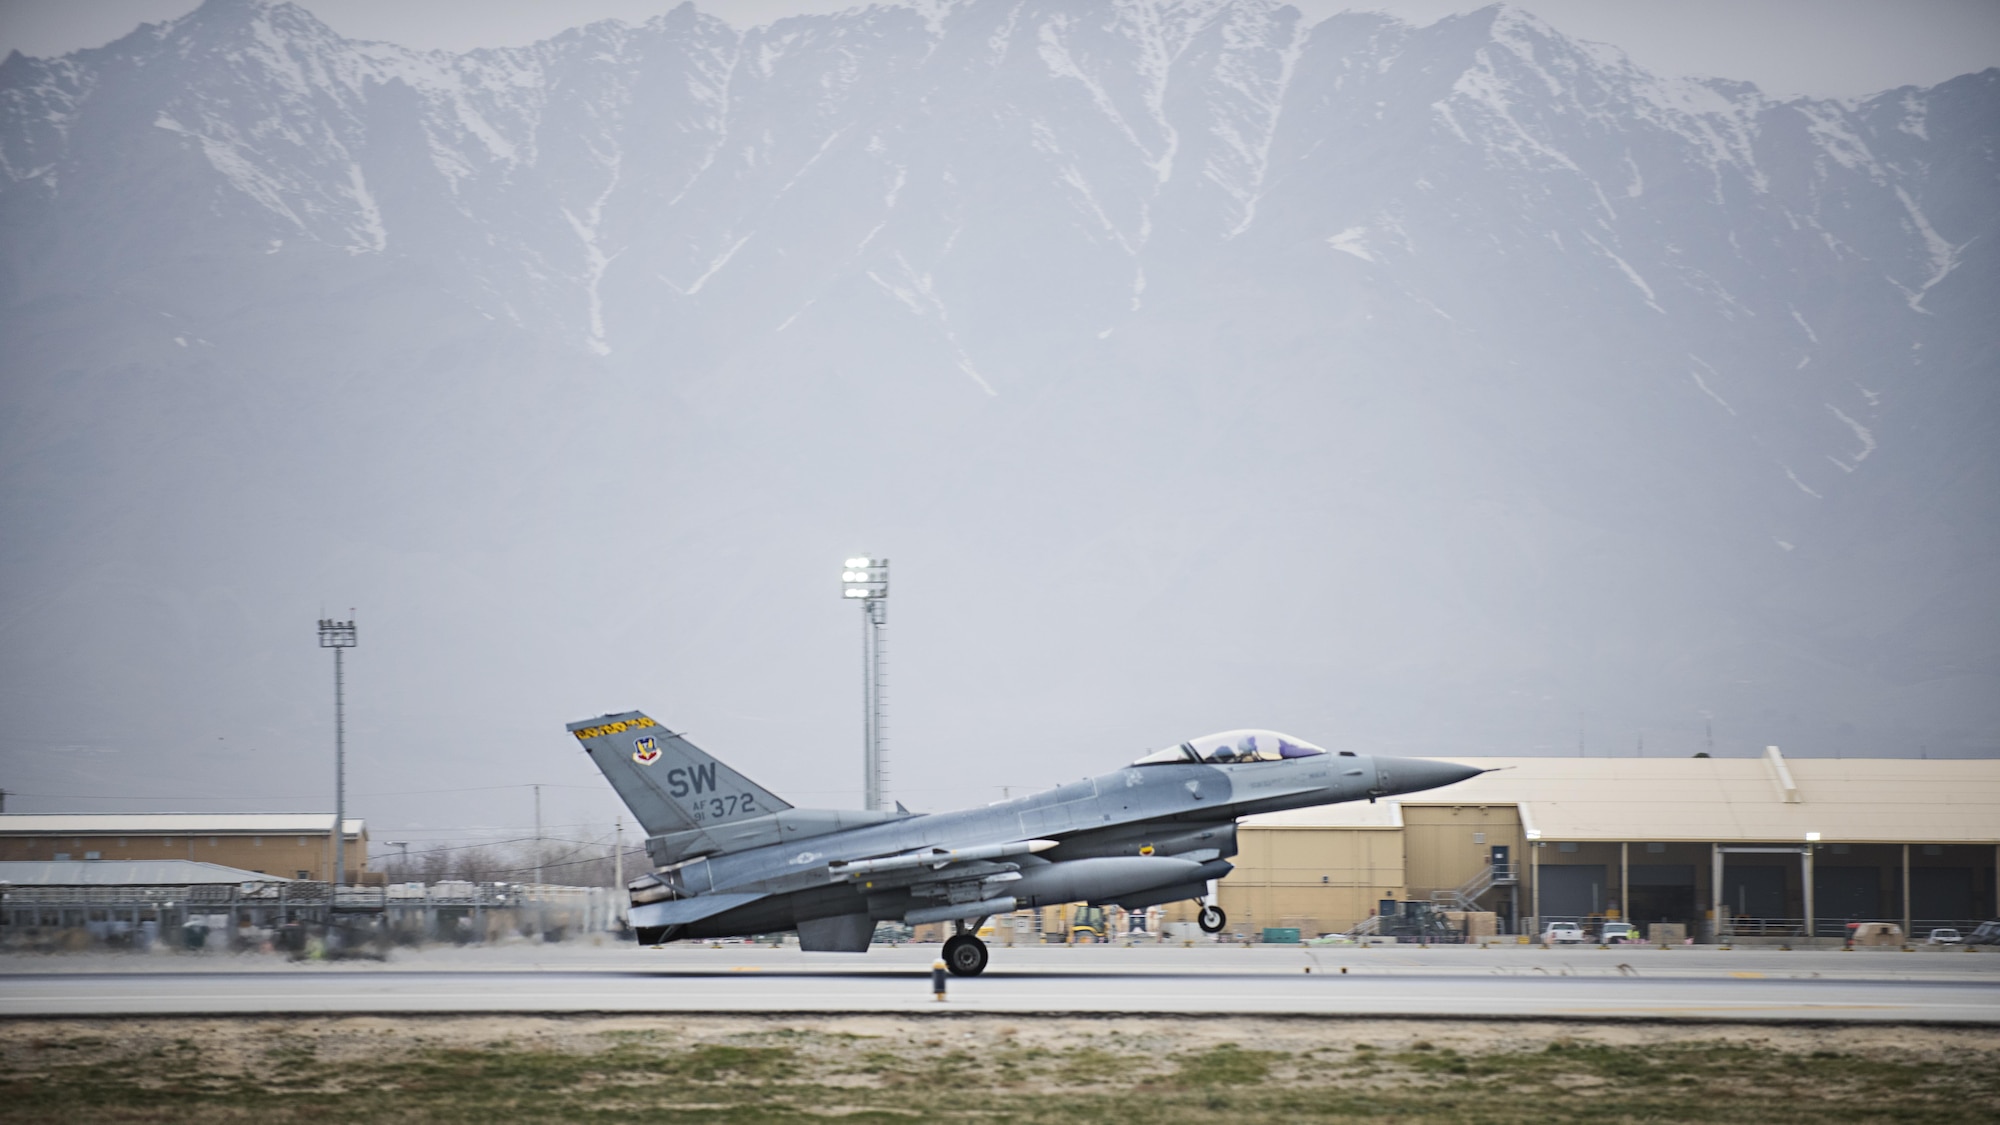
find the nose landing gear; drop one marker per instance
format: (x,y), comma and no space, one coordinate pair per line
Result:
(1211,919)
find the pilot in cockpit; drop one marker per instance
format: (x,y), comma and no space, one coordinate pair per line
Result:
(1235,748)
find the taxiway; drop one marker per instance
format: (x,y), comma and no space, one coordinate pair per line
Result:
(1402,981)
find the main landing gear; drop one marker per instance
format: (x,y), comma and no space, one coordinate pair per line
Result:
(1211,919)
(964,954)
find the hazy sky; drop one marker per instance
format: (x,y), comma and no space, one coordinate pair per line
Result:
(1822,47)
(1471,568)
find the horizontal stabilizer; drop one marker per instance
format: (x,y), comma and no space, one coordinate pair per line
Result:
(680,912)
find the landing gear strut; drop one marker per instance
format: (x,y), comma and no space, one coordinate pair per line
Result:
(1211,919)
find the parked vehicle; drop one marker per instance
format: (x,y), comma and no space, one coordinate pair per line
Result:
(1089,925)
(1986,933)
(1619,933)
(1563,933)
(1882,934)
(1945,935)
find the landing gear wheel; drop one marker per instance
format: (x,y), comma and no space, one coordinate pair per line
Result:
(965,956)
(1211,919)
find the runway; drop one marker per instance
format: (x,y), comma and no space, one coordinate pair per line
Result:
(1452,982)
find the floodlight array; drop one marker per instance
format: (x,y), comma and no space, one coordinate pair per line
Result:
(864,577)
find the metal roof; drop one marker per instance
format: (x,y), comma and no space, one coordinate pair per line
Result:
(175,824)
(125,873)
(1352,814)
(1766,799)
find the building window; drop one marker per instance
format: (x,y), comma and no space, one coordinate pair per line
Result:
(304,874)
(302,843)
(1655,849)
(1479,837)
(62,855)
(93,855)
(257,842)
(121,841)
(1566,846)
(1841,849)
(166,841)
(1933,849)
(211,841)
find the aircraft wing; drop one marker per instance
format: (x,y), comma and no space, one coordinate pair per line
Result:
(680,912)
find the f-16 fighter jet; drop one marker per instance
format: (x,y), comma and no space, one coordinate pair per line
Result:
(731,858)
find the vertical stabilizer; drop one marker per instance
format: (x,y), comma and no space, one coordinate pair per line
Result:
(668,782)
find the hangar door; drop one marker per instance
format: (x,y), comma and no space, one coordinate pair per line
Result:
(1572,890)
(1662,892)
(1941,892)
(1848,893)
(1754,892)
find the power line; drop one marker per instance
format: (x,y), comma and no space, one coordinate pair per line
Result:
(460,831)
(296,796)
(505,841)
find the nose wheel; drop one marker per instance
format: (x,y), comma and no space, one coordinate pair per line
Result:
(1211,919)
(965,955)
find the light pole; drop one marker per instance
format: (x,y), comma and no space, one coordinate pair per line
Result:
(338,636)
(866,580)
(403,863)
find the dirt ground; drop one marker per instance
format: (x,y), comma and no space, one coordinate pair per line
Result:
(708,1068)
(246,1043)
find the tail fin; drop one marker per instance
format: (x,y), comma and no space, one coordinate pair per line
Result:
(667,782)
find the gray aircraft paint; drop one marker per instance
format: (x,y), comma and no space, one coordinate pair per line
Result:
(734,859)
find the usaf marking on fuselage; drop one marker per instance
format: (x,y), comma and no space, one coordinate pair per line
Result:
(728,863)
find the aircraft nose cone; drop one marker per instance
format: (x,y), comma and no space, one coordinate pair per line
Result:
(1412,775)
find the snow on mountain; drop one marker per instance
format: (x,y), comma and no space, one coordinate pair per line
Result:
(1465,384)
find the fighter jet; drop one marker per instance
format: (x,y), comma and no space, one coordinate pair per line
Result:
(733,859)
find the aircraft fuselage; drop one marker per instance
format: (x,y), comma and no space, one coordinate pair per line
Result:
(1139,835)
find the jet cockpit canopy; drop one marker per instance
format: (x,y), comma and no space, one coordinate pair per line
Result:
(1232,747)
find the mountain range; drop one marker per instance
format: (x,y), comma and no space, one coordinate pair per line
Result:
(1452,388)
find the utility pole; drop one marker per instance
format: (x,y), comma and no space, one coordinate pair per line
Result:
(538,835)
(867,580)
(618,866)
(339,636)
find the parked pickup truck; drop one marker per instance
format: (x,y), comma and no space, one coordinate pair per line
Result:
(1563,933)
(1619,933)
